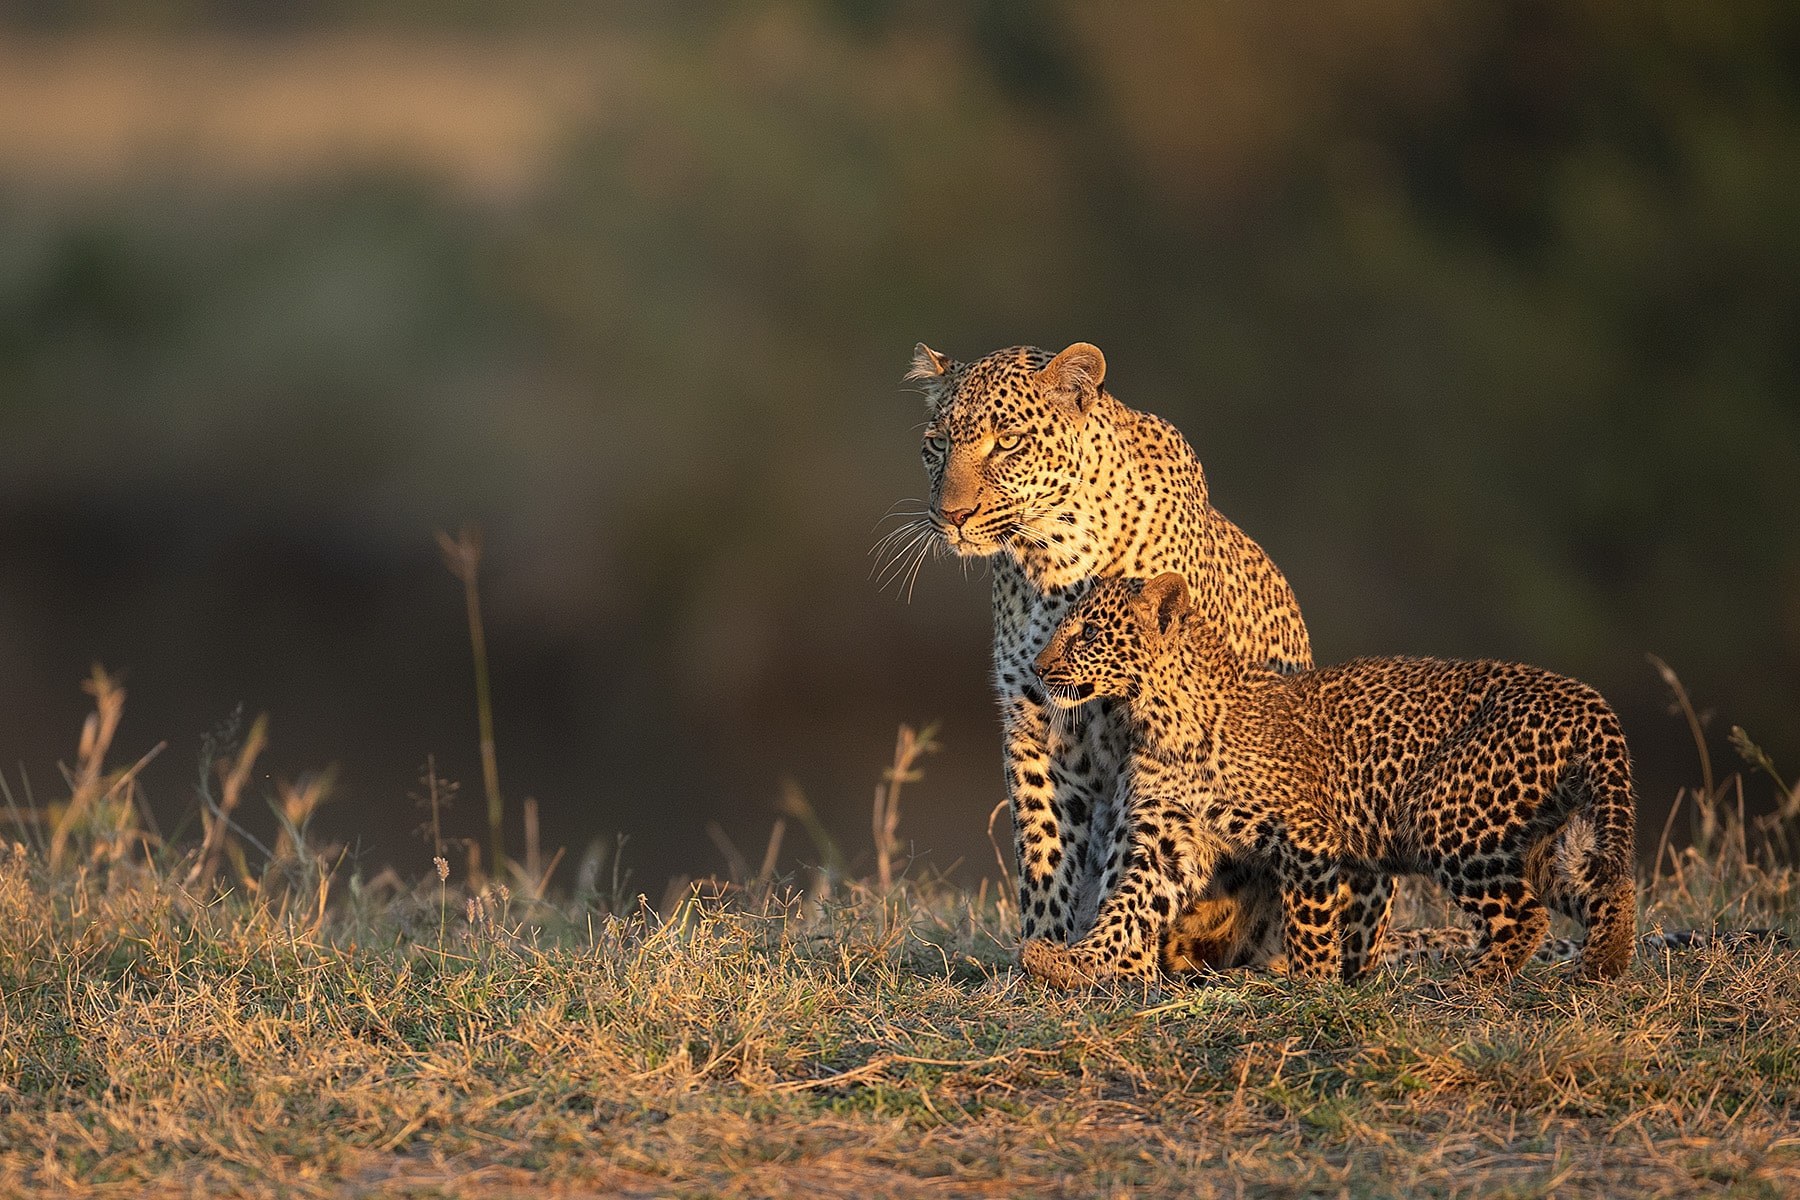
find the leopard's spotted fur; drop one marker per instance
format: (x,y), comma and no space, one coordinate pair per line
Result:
(1034,463)
(1508,785)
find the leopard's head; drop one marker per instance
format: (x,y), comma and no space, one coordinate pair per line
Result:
(1002,443)
(1113,639)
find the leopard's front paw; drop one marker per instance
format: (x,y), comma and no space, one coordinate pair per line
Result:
(1055,964)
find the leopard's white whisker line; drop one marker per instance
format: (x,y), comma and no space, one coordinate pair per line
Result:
(894,565)
(893,510)
(903,560)
(914,556)
(912,578)
(901,563)
(906,519)
(888,539)
(886,550)
(895,535)
(925,551)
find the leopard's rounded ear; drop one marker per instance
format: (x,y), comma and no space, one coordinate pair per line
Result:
(932,370)
(1075,376)
(928,364)
(1163,602)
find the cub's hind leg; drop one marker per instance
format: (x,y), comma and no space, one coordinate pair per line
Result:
(1592,882)
(1601,872)
(1612,932)
(1206,934)
(1509,918)
(1233,921)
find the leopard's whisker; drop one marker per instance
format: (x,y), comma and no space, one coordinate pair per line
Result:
(902,568)
(930,549)
(888,539)
(901,563)
(895,535)
(895,564)
(893,510)
(902,559)
(905,518)
(890,548)
(1062,718)
(1024,524)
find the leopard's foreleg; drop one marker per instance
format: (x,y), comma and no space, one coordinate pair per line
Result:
(1049,831)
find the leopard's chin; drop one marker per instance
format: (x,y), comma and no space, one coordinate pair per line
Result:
(964,546)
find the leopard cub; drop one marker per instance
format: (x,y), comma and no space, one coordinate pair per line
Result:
(1508,785)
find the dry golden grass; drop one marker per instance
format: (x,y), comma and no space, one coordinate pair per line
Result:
(879,1046)
(310,1034)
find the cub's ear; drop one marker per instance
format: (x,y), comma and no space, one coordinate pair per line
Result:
(1075,375)
(1163,602)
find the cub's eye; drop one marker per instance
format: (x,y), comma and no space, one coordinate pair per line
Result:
(1010,441)
(1089,632)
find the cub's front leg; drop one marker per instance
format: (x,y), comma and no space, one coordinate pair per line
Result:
(1157,862)
(1311,900)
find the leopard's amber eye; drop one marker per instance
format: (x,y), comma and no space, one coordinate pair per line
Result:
(1010,441)
(1089,632)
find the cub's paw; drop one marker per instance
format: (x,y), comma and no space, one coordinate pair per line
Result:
(1053,963)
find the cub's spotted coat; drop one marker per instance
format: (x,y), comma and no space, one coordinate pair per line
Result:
(1507,785)
(1034,463)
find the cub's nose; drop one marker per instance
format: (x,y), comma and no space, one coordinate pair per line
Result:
(956,516)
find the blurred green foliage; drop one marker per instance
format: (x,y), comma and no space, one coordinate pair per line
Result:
(1485,321)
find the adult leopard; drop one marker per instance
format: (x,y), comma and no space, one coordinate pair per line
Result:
(1035,464)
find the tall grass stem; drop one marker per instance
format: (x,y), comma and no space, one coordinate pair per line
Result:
(462,555)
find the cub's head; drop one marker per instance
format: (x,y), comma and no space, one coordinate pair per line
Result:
(1002,444)
(1113,639)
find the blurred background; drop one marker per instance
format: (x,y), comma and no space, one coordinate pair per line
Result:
(1484,319)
